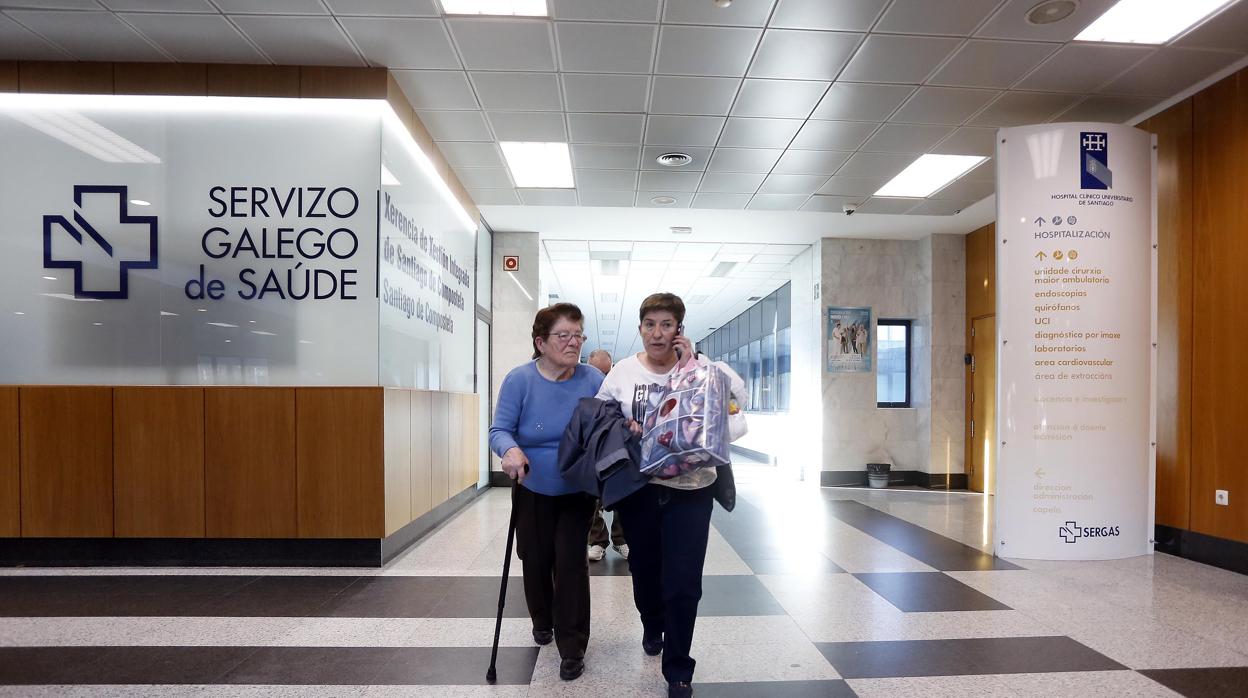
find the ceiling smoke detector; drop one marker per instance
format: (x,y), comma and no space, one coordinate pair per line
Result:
(1051,11)
(674,159)
(663,200)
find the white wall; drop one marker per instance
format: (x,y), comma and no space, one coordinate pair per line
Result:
(511,311)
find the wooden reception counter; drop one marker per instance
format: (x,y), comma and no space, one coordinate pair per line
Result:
(229,475)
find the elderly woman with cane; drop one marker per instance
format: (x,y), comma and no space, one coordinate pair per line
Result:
(552,517)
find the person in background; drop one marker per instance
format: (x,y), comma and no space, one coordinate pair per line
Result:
(535,404)
(598,539)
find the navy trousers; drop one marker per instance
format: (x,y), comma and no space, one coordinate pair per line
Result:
(667,532)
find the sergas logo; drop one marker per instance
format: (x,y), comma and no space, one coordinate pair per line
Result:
(86,234)
(1071,532)
(1094,172)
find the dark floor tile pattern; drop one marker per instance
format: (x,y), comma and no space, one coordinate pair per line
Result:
(919,543)
(737,595)
(1231,682)
(928,592)
(776,689)
(747,530)
(334,666)
(1007,655)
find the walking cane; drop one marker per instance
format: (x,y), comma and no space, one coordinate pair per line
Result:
(491,674)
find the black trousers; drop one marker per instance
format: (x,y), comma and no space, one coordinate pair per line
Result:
(550,540)
(667,534)
(598,529)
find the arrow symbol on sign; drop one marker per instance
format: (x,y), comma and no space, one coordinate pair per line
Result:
(1039,220)
(1040,256)
(1040,473)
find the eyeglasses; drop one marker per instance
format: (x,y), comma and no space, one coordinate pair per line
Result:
(565,337)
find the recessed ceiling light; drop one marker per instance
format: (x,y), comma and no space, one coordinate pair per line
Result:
(928,174)
(140,202)
(722,269)
(505,8)
(1051,11)
(97,324)
(679,229)
(663,201)
(674,159)
(18,312)
(1148,21)
(50,278)
(539,165)
(606,316)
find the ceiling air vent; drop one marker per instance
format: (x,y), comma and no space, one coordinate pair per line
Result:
(681,230)
(751,299)
(674,159)
(663,200)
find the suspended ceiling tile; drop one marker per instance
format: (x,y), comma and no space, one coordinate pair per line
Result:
(567,250)
(605,10)
(926,17)
(943,105)
(888,206)
(758,133)
(986,63)
(548,197)
(696,251)
(907,59)
(722,51)
(1083,67)
(653,252)
(742,14)
(299,40)
(402,43)
(518,91)
(1169,71)
(906,138)
(986,172)
(683,130)
(776,202)
(969,140)
(829,204)
(885,165)
(965,190)
(842,15)
(494,197)
(613,129)
(669,181)
(748,160)
(19,43)
(731,183)
(833,135)
(933,207)
(1020,108)
(273,7)
(742,248)
(811,162)
(778,99)
(1010,22)
(804,185)
(484,177)
(606,157)
(1226,31)
(456,125)
(650,154)
(853,101)
(545,127)
(793,250)
(437,89)
(607,198)
(693,95)
(606,93)
(189,38)
(90,36)
(385,8)
(791,54)
(1114,109)
(721,201)
(128,5)
(504,44)
(471,154)
(605,48)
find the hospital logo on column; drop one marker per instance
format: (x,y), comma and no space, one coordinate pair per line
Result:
(1071,532)
(1094,172)
(70,240)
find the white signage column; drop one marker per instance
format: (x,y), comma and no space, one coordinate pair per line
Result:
(1076,250)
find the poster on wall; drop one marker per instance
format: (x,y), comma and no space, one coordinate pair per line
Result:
(849,340)
(1076,304)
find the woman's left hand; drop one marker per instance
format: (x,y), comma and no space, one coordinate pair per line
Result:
(683,346)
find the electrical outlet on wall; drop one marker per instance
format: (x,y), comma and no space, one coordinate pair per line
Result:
(1222,497)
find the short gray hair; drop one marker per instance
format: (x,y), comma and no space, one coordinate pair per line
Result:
(596,352)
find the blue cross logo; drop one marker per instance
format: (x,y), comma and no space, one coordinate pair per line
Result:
(79,229)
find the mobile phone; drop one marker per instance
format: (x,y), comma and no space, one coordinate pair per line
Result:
(680,329)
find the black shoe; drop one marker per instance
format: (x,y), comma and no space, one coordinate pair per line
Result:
(679,689)
(570,669)
(653,645)
(543,637)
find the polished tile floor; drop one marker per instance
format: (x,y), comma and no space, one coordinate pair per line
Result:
(808,592)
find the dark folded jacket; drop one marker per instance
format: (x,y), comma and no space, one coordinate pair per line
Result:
(599,455)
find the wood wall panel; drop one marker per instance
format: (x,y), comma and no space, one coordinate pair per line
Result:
(249,463)
(1220,314)
(455,465)
(160,79)
(341,462)
(398,425)
(253,80)
(65,78)
(343,83)
(440,448)
(66,461)
(422,453)
(1173,128)
(8,76)
(158,462)
(980,286)
(472,443)
(10,466)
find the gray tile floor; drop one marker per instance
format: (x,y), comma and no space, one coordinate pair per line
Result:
(808,592)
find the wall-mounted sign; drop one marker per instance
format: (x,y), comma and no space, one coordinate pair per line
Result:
(1076,299)
(848,336)
(511,262)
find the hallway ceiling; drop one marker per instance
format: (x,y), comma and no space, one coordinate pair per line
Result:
(785,105)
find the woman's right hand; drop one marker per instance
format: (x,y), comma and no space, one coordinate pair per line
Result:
(515,464)
(635,427)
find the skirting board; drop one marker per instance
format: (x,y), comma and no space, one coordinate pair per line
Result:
(1198,547)
(225,552)
(900,478)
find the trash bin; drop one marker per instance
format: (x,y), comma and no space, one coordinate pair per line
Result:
(877,474)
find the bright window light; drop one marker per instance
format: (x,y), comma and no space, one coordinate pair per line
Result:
(1148,21)
(519,8)
(544,165)
(929,174)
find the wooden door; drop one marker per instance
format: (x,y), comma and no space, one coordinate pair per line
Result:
(983,397)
